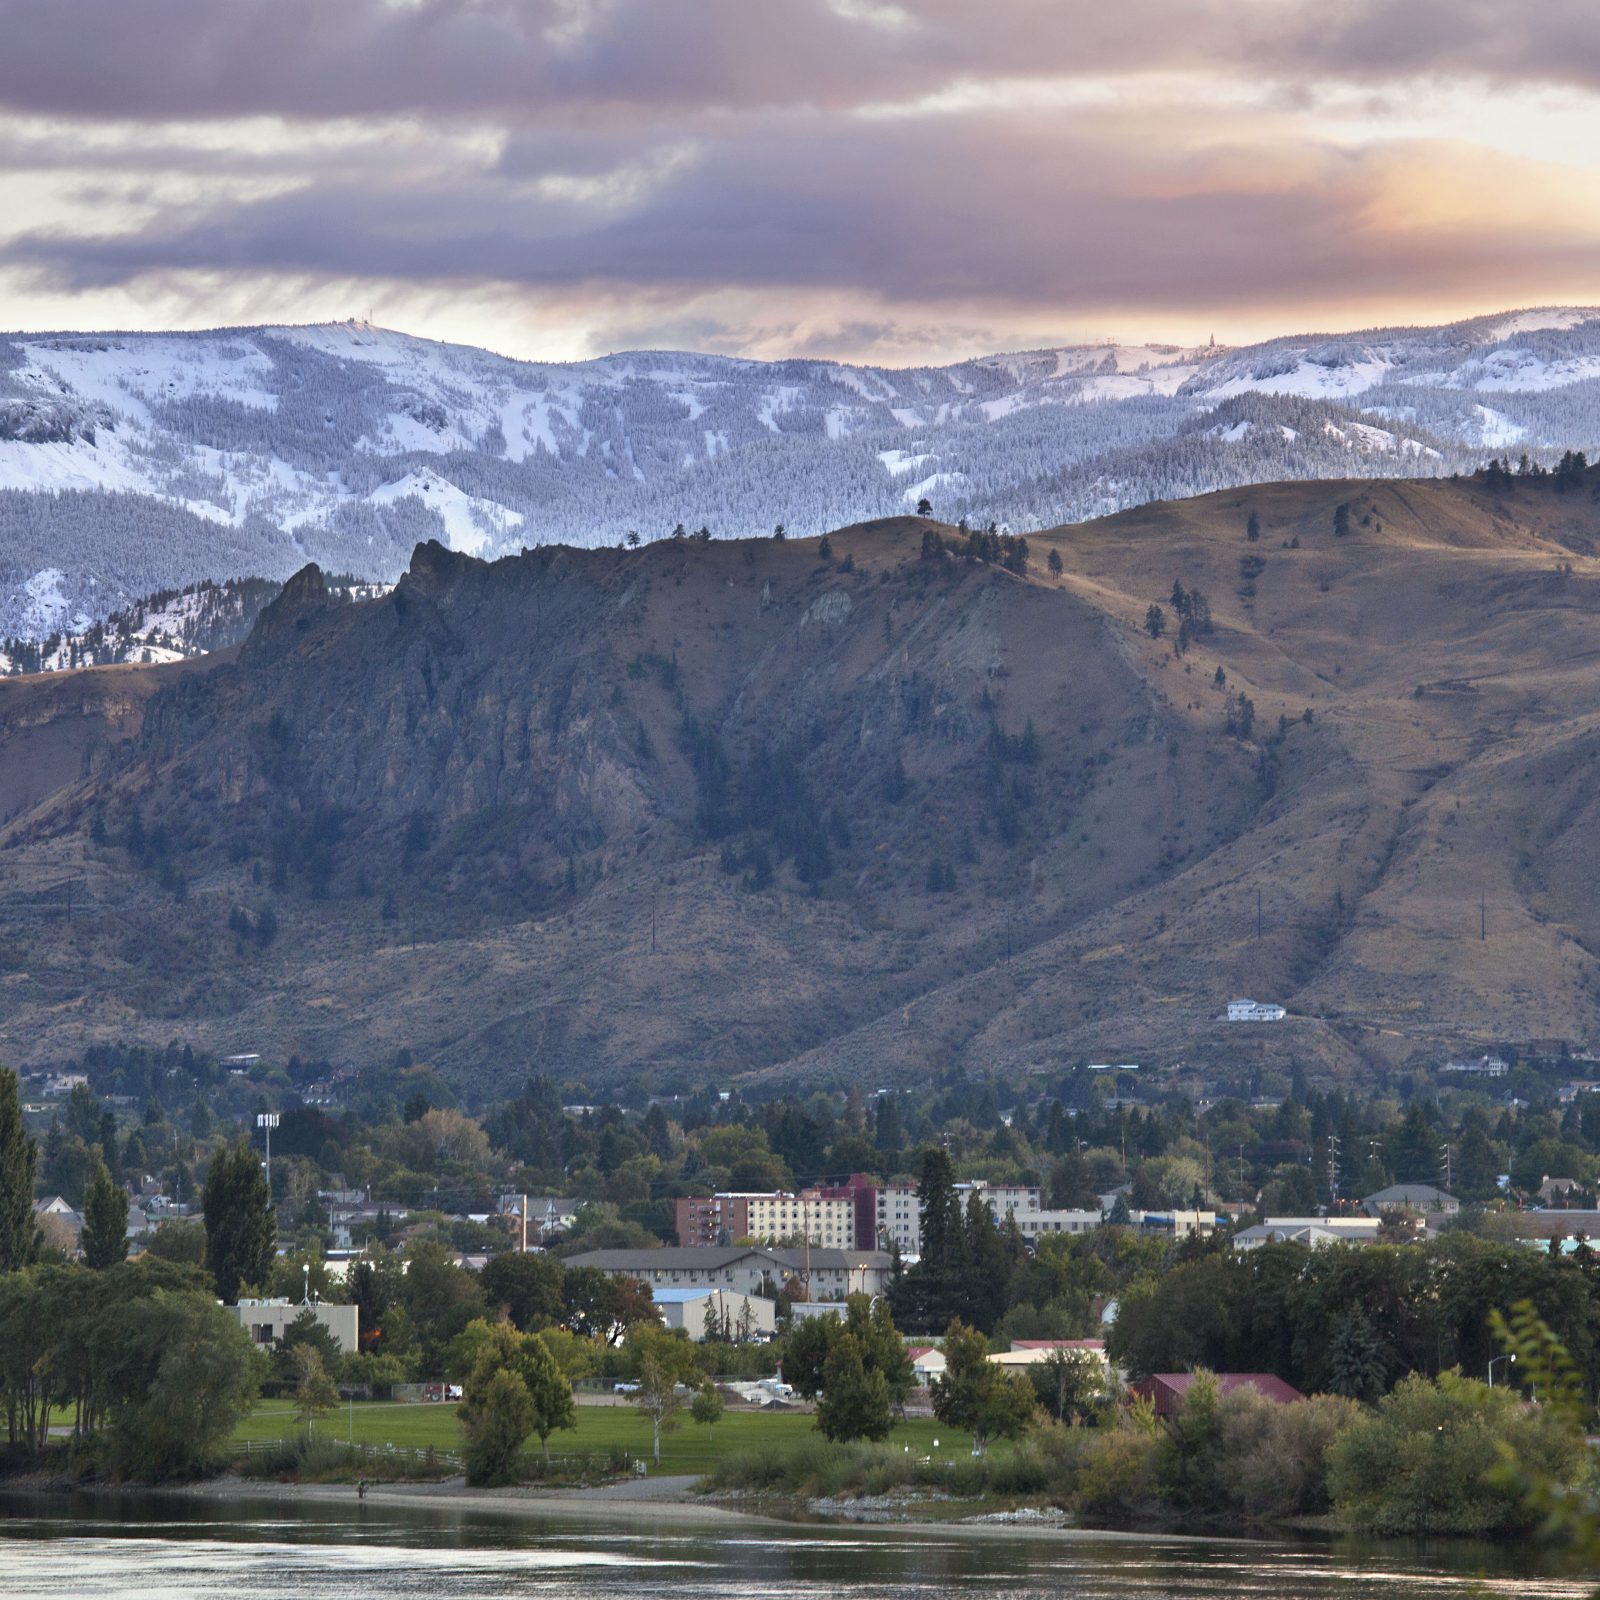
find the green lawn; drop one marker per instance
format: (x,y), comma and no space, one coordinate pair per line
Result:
(419,1424)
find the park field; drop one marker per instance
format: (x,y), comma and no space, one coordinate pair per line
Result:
(417,1425)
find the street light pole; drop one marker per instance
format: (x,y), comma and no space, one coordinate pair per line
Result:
(1507,1358)
(268,1120)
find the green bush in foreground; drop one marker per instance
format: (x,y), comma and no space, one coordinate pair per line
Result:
(1429,1460)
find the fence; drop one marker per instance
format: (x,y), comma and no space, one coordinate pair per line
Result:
(366,1452)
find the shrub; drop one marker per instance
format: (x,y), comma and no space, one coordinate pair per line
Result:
(1277,1455)
(1422,1463)
(1115,1470)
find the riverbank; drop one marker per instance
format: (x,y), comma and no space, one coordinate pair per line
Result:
(661,1502)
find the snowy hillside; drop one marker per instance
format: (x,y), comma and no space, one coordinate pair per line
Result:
(171,625)
(130,463)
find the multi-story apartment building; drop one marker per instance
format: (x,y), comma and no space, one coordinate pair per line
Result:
(897,1219)
(827,1221)
(859,1214)
(1001,1198)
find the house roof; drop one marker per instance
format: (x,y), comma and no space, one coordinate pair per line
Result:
(1058,1344)
(668,1258)
(1172,1386)
(1419,1196)
(714,1258)
(1290,1233)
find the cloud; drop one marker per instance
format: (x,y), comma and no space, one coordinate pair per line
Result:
(520,60)
(829,176)
(1078,212)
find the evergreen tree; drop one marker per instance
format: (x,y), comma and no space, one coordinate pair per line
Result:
(887,1134)
(1415,1156)
(1070,1187)
(19,1160)
(1252,529)
(1155,622)
(241,1228)
(104,1240)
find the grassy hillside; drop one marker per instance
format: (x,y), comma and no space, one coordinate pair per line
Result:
(740,809)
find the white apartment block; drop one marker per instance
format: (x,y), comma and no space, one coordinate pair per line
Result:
(899,1221)
(773,1218)
(1001,1198)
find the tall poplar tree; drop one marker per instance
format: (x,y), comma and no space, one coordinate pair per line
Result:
(241,1230)
(19,1160)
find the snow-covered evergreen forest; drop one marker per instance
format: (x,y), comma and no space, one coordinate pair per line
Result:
(131,463)
(169,625)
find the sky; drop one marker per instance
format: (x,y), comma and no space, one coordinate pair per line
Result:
(851,179)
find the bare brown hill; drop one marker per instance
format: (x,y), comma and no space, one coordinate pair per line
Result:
(739,810)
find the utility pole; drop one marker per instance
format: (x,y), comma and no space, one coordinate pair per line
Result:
(1444,1151)
(1333,1168)
(524,1224)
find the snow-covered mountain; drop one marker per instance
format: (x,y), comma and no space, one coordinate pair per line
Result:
(134,462)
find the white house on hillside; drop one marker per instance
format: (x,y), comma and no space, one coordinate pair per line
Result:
(1254,1011)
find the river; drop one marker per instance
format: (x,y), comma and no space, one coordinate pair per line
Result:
(130,1547)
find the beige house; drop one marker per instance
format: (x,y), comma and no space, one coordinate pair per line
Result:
(266,1320)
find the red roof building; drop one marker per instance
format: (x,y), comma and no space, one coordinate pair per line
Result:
(1167,1389)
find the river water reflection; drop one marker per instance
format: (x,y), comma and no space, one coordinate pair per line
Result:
(159,1548)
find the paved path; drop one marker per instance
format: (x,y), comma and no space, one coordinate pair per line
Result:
(664,1486)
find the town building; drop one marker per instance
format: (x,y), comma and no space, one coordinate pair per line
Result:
(1165,1390)
(1180,1224)
(60,1224)
(1035,1224)
(1001,1198)
(1025,1353)
(1478,1067)
(1559,1222)
(266,1320)
(1311,1231)
(722,1219)
(1254,1011)
(1560,1192)
(1411,1197)
(897,1220)
(702,1311)
(546,1213)
(748,1269)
